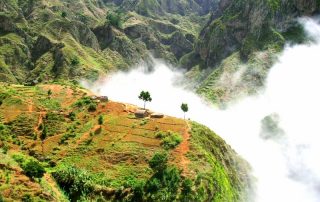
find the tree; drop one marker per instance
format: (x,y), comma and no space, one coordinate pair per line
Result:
(184,108)
(64,14)
(43,136)
(146,97)
(49,93)
(100,120)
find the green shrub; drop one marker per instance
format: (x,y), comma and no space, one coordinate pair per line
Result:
(63,14)
(75,61)
(78,182)
(169,139)
(100,120)
(33,168)
(72,116)
(26,198)
(159,162)
(114,19)
(92,107)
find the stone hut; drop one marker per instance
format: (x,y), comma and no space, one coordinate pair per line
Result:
(157,116)
(141,113)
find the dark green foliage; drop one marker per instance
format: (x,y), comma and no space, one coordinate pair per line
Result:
(40,127)
(83,102)
(169,139)
(166,181)
(33,169)
(92,107)
(75,61)
(63,14)
(114,19)
(72,116)
(187,186)
(100,120)
(159,162)
(26,198)
(77,182)
(296,34)
(146,97)
(49,92)
(185,108)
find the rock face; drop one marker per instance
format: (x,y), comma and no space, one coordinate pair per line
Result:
(258,24)
(42,45)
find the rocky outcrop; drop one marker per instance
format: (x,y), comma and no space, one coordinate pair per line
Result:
(104,35)
(41,46)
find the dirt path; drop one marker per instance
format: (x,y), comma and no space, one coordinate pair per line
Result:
(182,151)
(40,121)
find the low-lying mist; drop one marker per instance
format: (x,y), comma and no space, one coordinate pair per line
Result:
(277,131)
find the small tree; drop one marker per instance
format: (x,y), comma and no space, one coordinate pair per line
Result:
(184,108)
(100,120)
(146,97)
(64,14)
(43,136)
(49,93)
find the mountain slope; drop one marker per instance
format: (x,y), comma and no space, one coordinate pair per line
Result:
(49,40)
(99,150)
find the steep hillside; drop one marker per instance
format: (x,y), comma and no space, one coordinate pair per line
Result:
(240,42)
(49,40)
(77,146)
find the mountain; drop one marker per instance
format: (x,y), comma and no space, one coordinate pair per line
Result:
(50,40)
(60,143)
(240,43)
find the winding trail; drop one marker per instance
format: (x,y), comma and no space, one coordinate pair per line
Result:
(183,149)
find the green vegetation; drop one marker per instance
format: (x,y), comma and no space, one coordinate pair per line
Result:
(169,139)
(109,162)
(31,167)
(100,120)
(146,97)
(184,107)
(114,19)
(63,14)
(221,167)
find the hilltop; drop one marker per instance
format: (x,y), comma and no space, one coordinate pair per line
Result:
(99,150)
